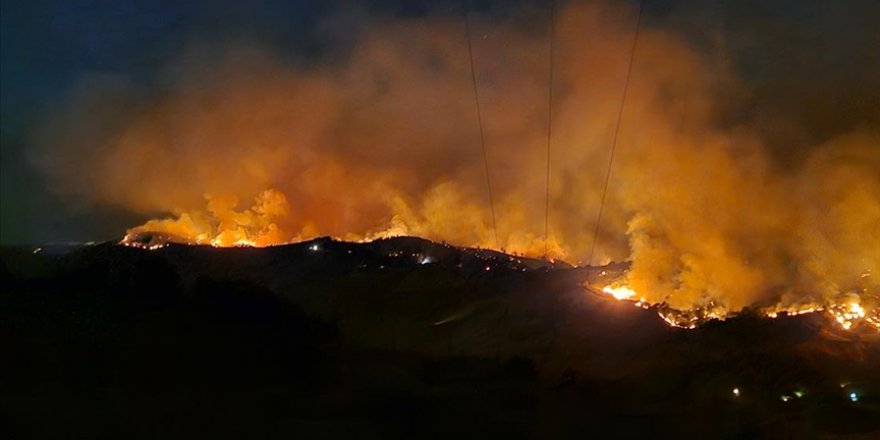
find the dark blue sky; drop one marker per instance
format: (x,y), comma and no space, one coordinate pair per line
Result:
(779,47)
(47,46)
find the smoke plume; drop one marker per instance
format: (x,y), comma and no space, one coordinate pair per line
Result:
(244,147)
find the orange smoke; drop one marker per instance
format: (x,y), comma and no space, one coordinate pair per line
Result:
(384,142)
(223,225)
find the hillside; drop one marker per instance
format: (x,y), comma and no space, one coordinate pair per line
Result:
(397,337)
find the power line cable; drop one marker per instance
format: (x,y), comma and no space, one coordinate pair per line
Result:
(549,130)
(467,28)
(616,132)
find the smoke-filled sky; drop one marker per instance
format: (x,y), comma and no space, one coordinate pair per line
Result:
(748,157)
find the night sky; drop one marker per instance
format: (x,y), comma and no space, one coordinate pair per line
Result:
(805,63)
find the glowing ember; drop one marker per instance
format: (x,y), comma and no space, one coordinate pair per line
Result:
(847,313)
(793,311)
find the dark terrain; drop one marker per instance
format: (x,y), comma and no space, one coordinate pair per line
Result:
(399,338)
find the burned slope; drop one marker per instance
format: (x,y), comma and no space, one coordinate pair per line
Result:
(396,337)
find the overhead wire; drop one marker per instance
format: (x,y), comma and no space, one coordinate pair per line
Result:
(549,130)
(467,28)
(616,133)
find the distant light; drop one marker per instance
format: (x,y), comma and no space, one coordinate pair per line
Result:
(785,398)
(488,268)
(314,247)
(853,396)
(736,392)
(799,393)
(38,250)
(426,260)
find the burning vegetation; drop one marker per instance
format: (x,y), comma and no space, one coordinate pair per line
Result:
(383,142)
(845,310)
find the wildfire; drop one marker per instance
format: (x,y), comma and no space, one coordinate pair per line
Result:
(619,292)
(848,314)
(793,311)
(271,220)
(240,242)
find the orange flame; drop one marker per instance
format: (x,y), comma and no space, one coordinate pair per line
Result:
(847,313)
(383,141)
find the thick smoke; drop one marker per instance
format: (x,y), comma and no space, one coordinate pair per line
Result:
(242,147)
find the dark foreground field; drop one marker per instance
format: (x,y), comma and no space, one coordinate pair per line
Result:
(398,338)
